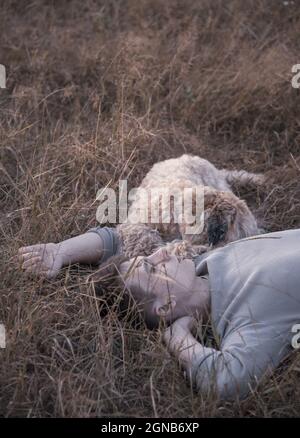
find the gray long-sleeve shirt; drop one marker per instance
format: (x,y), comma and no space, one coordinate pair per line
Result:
(255,302)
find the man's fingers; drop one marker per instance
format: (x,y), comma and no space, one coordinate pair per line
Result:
(25,249)
(171,335)
(176,333)
(33,261)
(28,256)
(35,269)
(187,323)
(32,248)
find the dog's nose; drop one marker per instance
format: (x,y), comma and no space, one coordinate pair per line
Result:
(216,231)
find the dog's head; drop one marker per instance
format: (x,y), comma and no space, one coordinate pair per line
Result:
(226,218)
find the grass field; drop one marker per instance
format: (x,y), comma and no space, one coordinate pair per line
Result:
(98,91)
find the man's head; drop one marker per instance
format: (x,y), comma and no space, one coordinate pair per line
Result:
(164,287)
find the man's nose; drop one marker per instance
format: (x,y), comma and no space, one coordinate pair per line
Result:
(158,256)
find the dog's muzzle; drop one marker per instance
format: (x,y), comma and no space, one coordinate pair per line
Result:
(216,231)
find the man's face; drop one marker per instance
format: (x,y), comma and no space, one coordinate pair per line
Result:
(160,283)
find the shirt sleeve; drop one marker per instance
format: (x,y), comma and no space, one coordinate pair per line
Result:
(110,240)
(244,358)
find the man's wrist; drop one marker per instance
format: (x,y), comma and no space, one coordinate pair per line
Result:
(60,252)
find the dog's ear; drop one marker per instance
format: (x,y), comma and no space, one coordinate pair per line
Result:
(245,224)
(217,228)
(230,213)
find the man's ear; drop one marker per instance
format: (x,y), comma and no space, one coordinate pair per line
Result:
(165,309)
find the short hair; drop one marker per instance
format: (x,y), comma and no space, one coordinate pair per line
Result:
(105,281)
(108,272)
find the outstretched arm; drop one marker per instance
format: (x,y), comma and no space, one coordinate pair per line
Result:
(229,373)
(46,259)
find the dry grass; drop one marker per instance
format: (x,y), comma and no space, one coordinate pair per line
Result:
(99,90)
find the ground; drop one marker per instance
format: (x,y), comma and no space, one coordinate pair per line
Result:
(98,91)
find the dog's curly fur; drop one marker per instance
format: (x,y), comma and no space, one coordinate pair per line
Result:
(226,217)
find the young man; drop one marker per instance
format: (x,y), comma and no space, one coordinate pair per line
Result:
(250,288)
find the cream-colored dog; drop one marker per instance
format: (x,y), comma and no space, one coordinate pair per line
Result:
(225,218)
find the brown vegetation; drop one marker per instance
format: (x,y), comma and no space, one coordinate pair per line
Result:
(98,91)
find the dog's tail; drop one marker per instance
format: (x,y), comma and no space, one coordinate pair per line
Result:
(243,178)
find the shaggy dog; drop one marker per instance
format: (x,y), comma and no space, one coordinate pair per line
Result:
(225,218)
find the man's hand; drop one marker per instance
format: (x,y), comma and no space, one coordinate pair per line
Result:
(179,329)
(180,341)
(42,259)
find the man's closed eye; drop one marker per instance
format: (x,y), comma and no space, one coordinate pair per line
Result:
(149,267)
